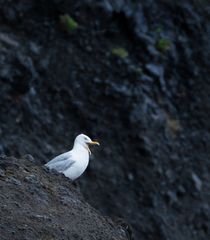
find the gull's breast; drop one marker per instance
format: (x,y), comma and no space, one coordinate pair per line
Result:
(79,166)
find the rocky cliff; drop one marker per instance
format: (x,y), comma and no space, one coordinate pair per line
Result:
(134,75)
(37,204)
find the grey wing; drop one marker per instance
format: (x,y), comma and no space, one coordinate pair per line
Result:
(61,162)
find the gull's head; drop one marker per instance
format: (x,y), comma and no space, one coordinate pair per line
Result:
(85,141)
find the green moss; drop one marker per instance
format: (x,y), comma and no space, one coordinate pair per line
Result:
(139,71)
(173,125)
(120,52)
(69,23)
(158,30)
(163,45)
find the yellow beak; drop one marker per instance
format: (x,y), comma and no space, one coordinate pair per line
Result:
(94,143)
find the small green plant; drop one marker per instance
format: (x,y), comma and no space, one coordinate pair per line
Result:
(158,29)
(139,71)
(163,45)
(173,124)
(120,52)
(69,23)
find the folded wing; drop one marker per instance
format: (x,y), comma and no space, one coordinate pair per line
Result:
(61,163)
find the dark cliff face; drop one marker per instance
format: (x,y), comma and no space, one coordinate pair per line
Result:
(36,204)
(134,75)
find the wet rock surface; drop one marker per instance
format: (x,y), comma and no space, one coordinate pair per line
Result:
(148,104)
(37,204)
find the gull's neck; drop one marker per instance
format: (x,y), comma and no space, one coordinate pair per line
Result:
(79,147)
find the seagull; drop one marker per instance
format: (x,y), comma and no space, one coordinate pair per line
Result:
(73,163)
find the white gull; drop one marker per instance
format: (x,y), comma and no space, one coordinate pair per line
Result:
(73,163)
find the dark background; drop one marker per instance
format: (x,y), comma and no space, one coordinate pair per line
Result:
(150,110)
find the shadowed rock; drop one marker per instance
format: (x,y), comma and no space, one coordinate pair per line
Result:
(36,204)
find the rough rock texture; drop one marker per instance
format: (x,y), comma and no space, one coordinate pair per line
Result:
(150,110)
(35,204)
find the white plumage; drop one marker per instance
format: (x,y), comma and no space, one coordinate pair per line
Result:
(73,163)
